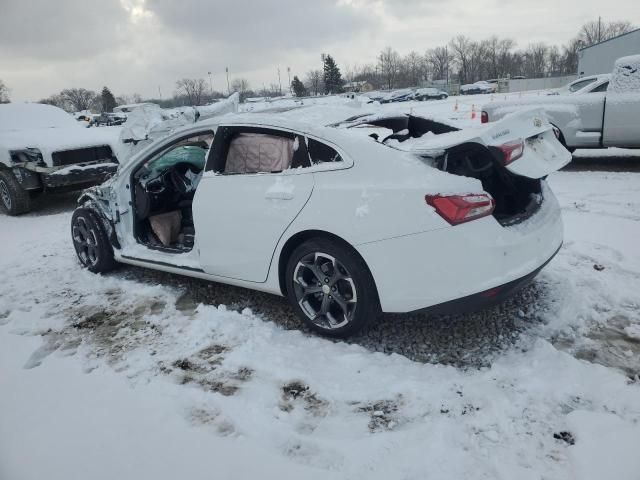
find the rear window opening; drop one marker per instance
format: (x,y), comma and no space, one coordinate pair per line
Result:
(400,128)
(516,197)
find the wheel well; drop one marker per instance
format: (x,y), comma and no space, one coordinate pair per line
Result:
(562,140)
(298,239)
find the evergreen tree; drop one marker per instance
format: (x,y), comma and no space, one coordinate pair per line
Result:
(298,87)
(332,76)
(108,100)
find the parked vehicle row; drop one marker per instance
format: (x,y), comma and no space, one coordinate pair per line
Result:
(408,94)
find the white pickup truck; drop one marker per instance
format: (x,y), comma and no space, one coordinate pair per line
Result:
(600,118)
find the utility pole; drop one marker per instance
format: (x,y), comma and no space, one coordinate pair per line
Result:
(228,87)
(159,92)
(210,84)
(279,81)
(289,73)
(599,29)
(446,59)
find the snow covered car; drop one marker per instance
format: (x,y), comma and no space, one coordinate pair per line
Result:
(403,95)
(422,94)
(43,149)
(346,218)
(592,83)
(478,87)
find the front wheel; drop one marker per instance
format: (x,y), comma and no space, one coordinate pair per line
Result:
(13,198)
(331,288)
(91,241)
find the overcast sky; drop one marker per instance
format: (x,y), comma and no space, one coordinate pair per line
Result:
(141,46)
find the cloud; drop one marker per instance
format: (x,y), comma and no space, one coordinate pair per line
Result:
(146,45)
(260,25)
(60,29)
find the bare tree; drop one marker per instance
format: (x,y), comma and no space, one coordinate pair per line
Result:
(313,82)
(414,68)
(554,60)
(498,58)
(79,98)
(570,56)
(57,101)
(4,93)
(240,85)
(598,31)
(461,52)
(194,89)
(535,59)
(439,60)
(389,63)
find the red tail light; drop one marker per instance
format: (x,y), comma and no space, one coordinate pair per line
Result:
(511,151)
(484,117)
(457,209)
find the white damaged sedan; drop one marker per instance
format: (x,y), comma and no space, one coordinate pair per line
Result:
(368,214)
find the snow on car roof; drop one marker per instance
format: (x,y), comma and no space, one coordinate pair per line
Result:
(21,116)
(626,75)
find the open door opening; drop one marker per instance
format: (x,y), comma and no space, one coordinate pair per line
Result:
(163,190)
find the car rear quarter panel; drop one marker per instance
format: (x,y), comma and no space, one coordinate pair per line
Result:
(417,271)
(380,197)
(579,117)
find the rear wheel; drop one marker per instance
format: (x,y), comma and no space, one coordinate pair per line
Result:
(331,288)
(13,198)
(91,241)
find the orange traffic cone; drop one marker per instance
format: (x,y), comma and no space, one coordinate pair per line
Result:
(473,112)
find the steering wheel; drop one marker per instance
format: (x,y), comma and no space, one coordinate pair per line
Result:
(178,179)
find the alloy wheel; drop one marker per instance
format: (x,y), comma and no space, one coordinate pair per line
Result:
(325,290)
(85,241)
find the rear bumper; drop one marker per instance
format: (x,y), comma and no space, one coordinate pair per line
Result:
(486,299)
(434,268)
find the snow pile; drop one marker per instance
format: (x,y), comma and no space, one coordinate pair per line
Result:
(633,331)
(27,116)
(116,366)
(150,122)
(626,75)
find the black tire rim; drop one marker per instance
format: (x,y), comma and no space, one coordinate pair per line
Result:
(86,242)
(4,193)
(325,290)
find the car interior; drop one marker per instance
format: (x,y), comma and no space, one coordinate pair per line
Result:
(165,185)
(163,190)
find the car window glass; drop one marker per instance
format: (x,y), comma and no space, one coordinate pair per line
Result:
(321,153)
(192,151)
(574,87)
(601,88)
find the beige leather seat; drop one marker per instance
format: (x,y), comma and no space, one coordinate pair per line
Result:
(257,152)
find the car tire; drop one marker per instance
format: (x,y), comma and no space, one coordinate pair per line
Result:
(91,241)
(331,288)
(14,199)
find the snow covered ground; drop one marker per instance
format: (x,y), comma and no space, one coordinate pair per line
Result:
(115,377)
(132,375)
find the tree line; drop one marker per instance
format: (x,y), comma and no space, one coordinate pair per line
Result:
(462,60)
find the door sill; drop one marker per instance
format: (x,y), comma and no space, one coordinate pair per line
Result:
(164,264)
